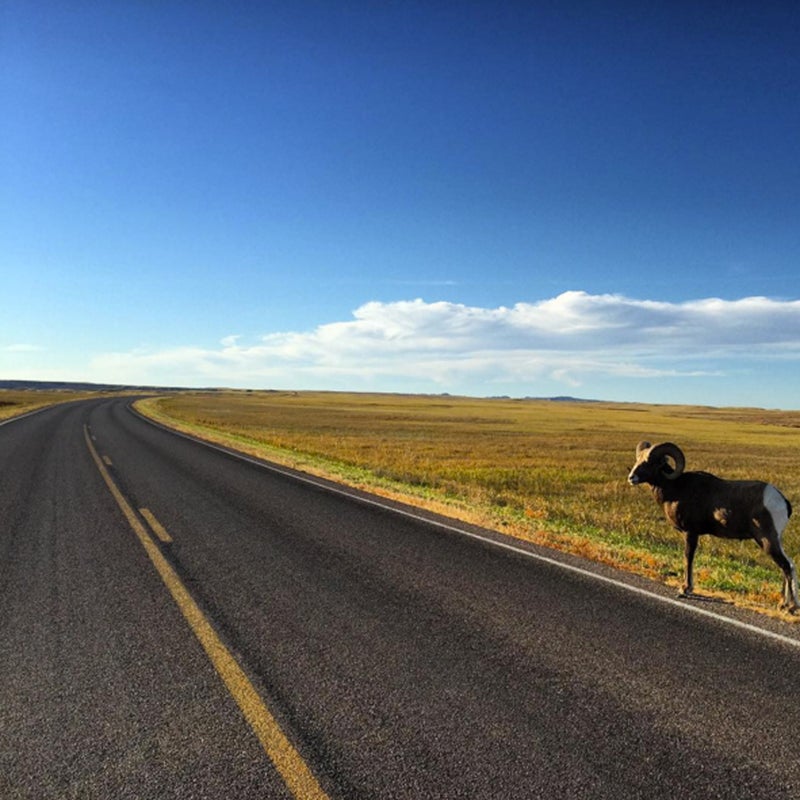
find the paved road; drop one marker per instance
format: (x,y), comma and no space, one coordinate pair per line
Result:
(399,659)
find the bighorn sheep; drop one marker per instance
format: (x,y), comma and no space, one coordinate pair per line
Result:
(698,503)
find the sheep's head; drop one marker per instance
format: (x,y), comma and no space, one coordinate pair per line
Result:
(653,463)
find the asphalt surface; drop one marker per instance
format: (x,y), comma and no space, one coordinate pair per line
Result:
(402,659)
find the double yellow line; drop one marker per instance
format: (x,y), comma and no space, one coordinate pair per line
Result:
(289,763)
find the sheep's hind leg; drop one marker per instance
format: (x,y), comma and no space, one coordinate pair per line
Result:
(772,525)
(774,549)
(790,601)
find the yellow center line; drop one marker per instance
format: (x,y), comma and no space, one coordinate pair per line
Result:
(289,763)
(158,529)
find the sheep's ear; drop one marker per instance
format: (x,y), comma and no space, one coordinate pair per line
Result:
(641,447)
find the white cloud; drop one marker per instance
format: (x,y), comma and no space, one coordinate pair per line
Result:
(21,348)
(441,346)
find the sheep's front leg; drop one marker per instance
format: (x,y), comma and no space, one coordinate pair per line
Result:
(688,563)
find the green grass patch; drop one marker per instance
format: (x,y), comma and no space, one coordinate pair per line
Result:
(550,472)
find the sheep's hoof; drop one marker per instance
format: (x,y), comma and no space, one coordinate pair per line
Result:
(789,608)
(686,593)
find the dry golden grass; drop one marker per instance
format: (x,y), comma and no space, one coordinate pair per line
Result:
(14,403)
(550,472)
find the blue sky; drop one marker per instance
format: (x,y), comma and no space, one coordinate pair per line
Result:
(599,199)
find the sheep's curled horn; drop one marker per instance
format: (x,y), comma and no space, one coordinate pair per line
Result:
(661,451)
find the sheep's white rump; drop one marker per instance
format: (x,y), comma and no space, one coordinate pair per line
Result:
(775,503)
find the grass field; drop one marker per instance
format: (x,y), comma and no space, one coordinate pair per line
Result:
(14,403)
(549,472)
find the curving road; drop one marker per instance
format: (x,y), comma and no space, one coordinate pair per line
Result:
(179,622)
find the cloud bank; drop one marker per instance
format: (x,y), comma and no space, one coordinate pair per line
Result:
(568,341)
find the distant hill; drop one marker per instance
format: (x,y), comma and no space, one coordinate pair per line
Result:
(74,386)
(558,399)
(67,386)
(567,399)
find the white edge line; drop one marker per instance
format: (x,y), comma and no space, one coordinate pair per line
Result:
(680,604)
